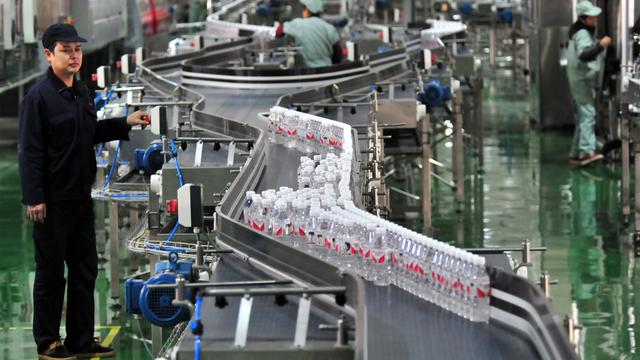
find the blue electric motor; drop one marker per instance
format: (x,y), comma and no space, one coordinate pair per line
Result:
(435,94)
(505,16)
(381,5)
(263,10)
(150,159)
(155,304)
(465,8)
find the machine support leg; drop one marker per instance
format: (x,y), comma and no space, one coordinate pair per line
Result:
(134,214)
(156,332)
(426,174)
(114,243)
(514,47)
(636,234)
(101,239)
(636,151)
(478,120)
(493,46)
(625,196)
(458,152)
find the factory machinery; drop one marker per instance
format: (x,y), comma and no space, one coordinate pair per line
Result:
(258,194)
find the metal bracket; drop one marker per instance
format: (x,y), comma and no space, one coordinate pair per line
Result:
(545,283)
(302,321)
(198,156)
(231,153)
(242,327)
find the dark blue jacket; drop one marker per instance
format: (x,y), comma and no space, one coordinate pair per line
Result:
(57,133)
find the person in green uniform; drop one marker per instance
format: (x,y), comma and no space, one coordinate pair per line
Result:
(583,65)
(319,42)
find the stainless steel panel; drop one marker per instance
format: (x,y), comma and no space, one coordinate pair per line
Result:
(551,101)
(546,13)
(99,21)
(398,112)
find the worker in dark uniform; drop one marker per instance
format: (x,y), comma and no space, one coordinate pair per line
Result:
(57,132)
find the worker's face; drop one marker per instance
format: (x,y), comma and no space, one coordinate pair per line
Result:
(590,21)
(306,13)
(66,57)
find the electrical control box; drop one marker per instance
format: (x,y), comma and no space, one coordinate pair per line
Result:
(197,42)
(103,76)
(29,12)
(127,64)
(352,51)
(8,24)
(426,56)
(158,119)
(190,213)
(140,56)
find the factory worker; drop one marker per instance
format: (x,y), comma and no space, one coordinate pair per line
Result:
(583,65)
(319,41)
(57,161)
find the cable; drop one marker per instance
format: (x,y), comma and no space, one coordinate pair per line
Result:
(113,166)
(166,248)
(173,232)
(174,151)
(96,100)
(142,338)
(198,322)
(115,158)
(99,149)
(130,196)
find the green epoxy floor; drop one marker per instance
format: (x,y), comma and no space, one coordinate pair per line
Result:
(528,191)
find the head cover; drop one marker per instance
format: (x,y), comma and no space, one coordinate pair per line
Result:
(60,32)
(315,6)
(586,8)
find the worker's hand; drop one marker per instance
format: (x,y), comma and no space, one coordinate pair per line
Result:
(138,118)
(37,213)
(605,41)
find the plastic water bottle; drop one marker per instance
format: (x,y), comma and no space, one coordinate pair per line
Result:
(344,243)
(322,233)
(356,236)
(299,222)
(248,201)
(483,292)
(261,217)
(380,259)
(450,285)
(436,272)
(301,141)
(323,138)
(337,137)
(290,130)
(417,268)
(312,227)
(275,118)
(330,242)
(365,251)
(331,180)
(318,182)
(311,134)
(282,227)
(465,289)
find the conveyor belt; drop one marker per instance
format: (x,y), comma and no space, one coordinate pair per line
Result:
(282,169)
(399,325)
(403,326)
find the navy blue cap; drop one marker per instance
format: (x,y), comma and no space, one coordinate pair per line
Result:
(60,32)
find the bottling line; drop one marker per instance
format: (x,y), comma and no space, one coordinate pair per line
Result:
(258,192)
